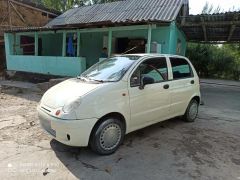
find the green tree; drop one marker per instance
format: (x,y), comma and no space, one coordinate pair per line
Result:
(215,61)
(64,5)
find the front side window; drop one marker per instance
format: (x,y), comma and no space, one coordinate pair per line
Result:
(180,68)
(155,68)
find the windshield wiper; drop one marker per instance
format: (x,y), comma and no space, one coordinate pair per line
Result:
(101,81)
(82,78)
(90,79)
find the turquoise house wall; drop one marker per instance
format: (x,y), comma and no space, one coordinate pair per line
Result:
(161,36)
(62,66)
(182,37)
(51,44)
(8,39)
(91,45)
(18,50)
(176,34)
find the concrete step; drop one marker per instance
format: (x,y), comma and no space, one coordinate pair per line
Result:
(19,85)
(52,82)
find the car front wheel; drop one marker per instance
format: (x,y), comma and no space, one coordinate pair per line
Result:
(107,136)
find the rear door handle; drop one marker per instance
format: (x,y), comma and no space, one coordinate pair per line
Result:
(166,86)
(192,81)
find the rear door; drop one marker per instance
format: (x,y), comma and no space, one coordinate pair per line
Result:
(182,85)
(152,103)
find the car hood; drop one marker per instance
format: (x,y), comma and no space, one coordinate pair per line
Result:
(59,94)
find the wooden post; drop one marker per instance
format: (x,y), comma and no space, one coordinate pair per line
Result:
(8,45)
(172,38)
(231,32)
(185,10)
(64,44)
(149,40)
(36,43)
(204,29)
(14,44)
(78,43)
(109,42)
(9,15)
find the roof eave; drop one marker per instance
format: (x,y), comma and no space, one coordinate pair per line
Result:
(87,25)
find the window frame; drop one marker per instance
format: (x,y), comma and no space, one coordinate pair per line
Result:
(191,69)
(150,58)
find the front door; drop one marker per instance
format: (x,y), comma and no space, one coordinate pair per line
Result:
(152,103)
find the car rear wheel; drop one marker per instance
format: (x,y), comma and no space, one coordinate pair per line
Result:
(192,111)
(107,136)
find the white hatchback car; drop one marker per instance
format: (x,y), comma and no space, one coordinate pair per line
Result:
(117,96)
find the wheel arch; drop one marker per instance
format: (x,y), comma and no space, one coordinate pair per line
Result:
(197,98)
(112,114)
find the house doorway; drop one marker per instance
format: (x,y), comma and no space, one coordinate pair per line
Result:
(130,46)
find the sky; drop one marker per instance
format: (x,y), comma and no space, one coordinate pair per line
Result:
(196,6)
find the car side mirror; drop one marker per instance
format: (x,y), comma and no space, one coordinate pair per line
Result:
(145,80)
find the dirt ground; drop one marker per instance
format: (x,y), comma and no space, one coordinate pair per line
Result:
(206,149)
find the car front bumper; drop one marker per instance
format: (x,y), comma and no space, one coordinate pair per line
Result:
(69,132)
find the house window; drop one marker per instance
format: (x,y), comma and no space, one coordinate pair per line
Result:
(27,45)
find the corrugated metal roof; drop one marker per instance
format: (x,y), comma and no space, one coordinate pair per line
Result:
(121,12)
(220,27)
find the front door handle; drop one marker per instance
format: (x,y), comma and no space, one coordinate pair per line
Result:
(166,86)
(192,81)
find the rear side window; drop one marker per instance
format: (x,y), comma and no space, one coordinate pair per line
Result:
(181,68)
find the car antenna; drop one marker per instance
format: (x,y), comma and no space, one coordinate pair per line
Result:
(129,50)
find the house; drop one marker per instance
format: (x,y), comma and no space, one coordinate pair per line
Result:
(18,14)
(73,41)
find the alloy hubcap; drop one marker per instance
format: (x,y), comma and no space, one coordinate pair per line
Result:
(110,136)
(193,110)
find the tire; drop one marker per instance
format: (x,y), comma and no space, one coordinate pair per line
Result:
(192,111)
(107,136)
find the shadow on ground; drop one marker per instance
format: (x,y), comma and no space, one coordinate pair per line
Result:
(136,145)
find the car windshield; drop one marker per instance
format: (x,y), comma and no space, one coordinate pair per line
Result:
(109,70)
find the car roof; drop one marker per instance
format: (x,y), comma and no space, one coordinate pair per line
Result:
(154,55)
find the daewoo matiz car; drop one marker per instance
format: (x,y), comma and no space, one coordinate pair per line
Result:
(117,96)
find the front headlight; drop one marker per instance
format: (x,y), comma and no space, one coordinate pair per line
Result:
(71,104)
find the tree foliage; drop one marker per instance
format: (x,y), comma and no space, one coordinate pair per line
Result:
(208,9)
(215,61)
